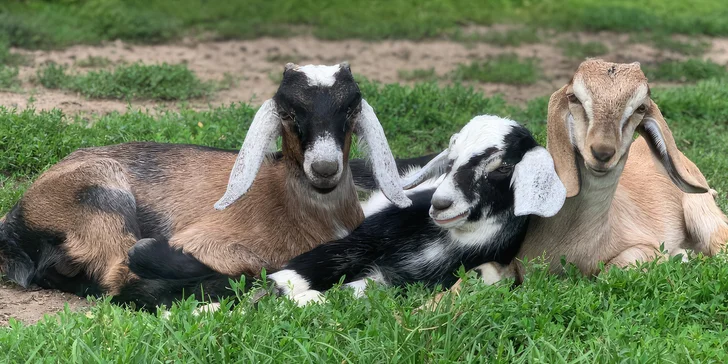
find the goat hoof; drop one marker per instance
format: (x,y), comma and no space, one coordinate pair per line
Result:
(141,244)
(307,297)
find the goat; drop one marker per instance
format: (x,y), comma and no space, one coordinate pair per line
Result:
(74,226)
(619,210)
(496,175)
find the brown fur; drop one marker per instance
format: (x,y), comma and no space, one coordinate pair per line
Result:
(247,236)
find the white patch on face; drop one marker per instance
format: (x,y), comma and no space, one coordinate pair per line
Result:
(320,75)
(581,92)
(481,133)
(290,282)
(323,149)
(633,103)
(475,233)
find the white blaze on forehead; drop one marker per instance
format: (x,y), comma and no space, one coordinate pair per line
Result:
(320,75)
(638,97)
(481,133)
(582,93)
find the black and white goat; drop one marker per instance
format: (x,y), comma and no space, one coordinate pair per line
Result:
(74,227)
(495,176)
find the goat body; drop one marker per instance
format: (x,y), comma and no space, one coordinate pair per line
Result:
(74,226)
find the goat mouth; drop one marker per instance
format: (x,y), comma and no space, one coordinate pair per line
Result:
(599,172)
(452,220)
(323,190)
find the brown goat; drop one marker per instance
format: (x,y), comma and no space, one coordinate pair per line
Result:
(75,225)
(619,210)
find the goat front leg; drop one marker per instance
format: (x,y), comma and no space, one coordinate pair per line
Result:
(220,251)
(490,273)
(633,255)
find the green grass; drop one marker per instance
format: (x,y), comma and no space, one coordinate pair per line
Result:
(159,82)
(8,77)
(420,74)
(93,62)
(691,70)
(512,37)
(579,50)
(666,42)
(505,68)
(43,24)
(671,312)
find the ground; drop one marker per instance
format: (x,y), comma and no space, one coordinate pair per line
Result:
(426,77)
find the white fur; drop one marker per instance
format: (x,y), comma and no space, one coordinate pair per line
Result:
(583,94)
(307,297)
(290,282)
(475,233)
(320,75)
(384,167)
(324,148)
(537,188)
(264,129)
(359,286)
(633,103)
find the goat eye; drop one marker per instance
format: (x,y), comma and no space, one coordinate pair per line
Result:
(505,169)
(641,109)
(573,99)
(288,116)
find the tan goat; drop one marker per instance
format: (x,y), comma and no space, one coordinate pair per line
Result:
(619,210)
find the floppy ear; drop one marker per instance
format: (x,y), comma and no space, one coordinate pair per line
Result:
(264,129)
(434,167)
(384,167)
(559,142)
(659,137)
(537,188)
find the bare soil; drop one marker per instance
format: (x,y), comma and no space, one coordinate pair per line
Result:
(256,64)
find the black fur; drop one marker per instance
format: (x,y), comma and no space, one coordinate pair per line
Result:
(389,243)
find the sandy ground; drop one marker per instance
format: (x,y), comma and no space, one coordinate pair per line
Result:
(256,63)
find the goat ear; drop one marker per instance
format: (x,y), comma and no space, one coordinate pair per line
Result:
(434,167)
(264,129)
(384,167)
(536,186)
(659,137)
(559,142)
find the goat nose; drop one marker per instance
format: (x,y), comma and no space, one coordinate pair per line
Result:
(325,168)
(441,203)
(603,152)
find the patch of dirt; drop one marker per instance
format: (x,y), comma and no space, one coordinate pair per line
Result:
(29,306)
(257,64)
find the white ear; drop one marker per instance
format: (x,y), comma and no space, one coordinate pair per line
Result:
(536,186)
(435,167)
(384,167)
(264,129)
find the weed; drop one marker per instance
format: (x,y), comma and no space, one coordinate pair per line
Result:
(8,77)
(93,62)
(512,37)
(159,82)
(581,51)
(692,70)
(417,75)
(505,68)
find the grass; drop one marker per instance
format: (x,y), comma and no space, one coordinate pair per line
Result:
(670,312)
(44,24)
(511,37)
(505,68)
(579,50)
(8,77)
(691,70)
(93,62)
(420,74)
(159,82)
(666,42)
